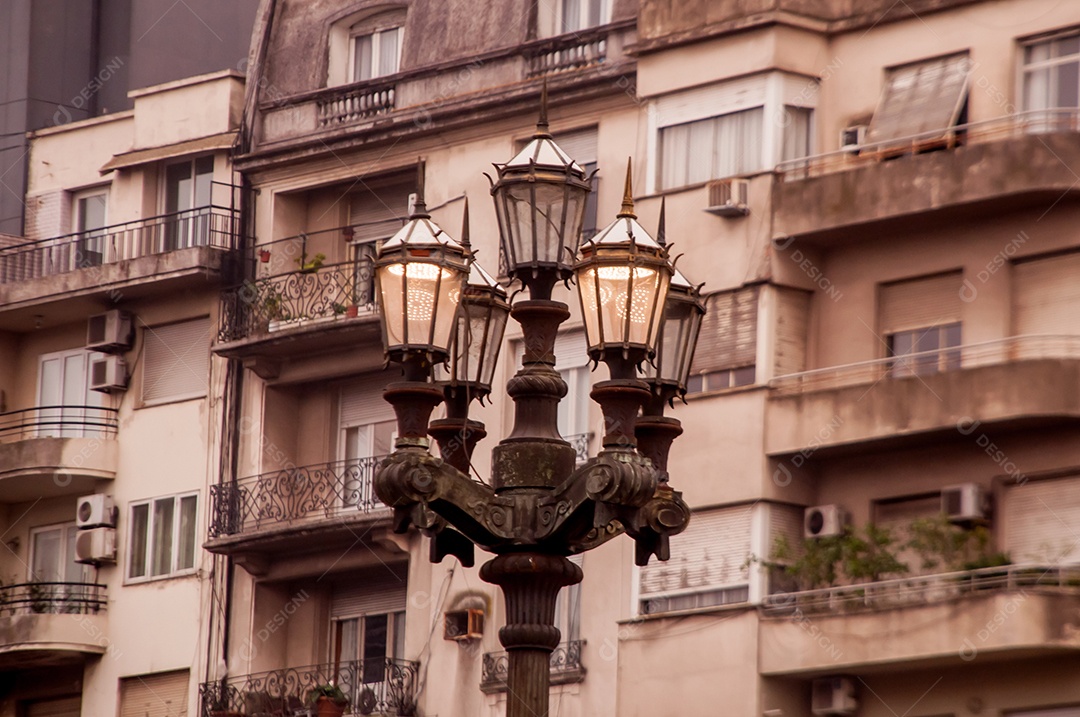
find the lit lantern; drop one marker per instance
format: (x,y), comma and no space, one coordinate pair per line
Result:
(623,277)
(669,371)
(540,204)
(420,271)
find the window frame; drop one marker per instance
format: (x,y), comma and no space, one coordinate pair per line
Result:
(1024,68)
(376,42)
(946,357)
(65,529)
(174,571)
(204,392)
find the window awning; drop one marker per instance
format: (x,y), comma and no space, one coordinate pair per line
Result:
(925,97)
(154,154)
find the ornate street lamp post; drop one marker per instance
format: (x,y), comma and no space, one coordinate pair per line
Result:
(540,506)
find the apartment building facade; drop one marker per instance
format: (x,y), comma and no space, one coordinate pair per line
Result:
(121,217)
(877,197)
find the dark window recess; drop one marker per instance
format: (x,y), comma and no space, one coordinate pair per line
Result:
(924,351)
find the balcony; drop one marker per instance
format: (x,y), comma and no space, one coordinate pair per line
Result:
(1003,613)
(1011,382)
(380,687)
(457,92)
(297,305)
(1006,163)
(295,509)
(581,443)
(55,450)
(158,254)
(51,624)
(566,667)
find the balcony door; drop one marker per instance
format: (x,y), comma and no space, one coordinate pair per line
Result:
(367,431)
(67,408)
(368,630)
(52,556)
(187,203)
(88,220)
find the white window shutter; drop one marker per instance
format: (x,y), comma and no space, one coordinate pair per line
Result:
(362,401)
(728,332)
(381,591)
(176,361)
(711,553)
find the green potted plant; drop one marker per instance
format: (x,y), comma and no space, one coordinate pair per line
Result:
(328,700)
(307,267)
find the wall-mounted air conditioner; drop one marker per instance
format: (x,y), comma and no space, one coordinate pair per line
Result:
(464,624)
(95,511)
(95,546)
(824,521)
(108,374)
(110,332)
(851,138)
(729,197)
(833,696)
(966,503)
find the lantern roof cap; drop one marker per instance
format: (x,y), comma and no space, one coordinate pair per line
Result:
(678,279)
(422,233)
(479,278)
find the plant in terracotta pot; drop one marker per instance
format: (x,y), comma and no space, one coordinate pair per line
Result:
(328,700)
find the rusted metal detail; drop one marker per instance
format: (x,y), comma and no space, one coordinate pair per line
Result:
(457,437)
(413,402)
(620,400)
(655,434)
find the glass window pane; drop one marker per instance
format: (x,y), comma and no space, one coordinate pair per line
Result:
(796,133)
(383,435)
(204,177)
(178,187)
(1037,53)
(399,635)
(91,212)
(362,60)
(185,559)
(47,555)
(1037,89)
(571,15)
(1068,84)
(1066,46)
(376,628)
(674,156)
(389,53)
(139,523)
(349,647)
(162,541)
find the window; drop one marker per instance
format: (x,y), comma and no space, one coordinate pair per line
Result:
(162,540)
(367,628)
(922,99)
(371,640)
(707,565)
(176,361)
(375,46)
(737,127)
(52,556)
(568,608)
(929,345)
(1051,73)
(88,219)
(162,694)
(726,355)
(188,186)
(67,406)
(565,16)
(920,320)
(711,148)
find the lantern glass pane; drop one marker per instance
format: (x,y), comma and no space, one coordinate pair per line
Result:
(674,340)
(590,305)
(391,303)
(693,328)
(496,329)
(447,293)
(553,230)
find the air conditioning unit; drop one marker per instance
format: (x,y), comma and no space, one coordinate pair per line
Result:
(853,137)
(728,197)
(96,546)
(110,332)
(966,503)
(464,625)
(824,521)
(108,374)
(95,511)
(833,696)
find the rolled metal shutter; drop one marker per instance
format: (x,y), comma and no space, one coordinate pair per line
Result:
(65,707)
(919,303)
(1040,518)
(176,360)
(362,400)
(1046,295)
(379,213)
(710,553)
(381,591)
(728,332)
(163,694)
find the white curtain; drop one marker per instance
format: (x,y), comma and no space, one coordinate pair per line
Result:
(711,148)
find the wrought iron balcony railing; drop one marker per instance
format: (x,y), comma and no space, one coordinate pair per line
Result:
(292,286)
(580,442)
(385,687)
(292,494)
(204,226)
(565,666)
(52,599)
(58,422)
(920,590)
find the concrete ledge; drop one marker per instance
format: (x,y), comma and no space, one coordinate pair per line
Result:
(48,467)
(51,639)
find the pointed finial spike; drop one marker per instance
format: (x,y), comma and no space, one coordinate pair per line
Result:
(419,210)
(628,194)
(465,226)
(542,121)
(661,227)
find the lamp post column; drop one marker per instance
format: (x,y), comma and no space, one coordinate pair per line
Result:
(530,584)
